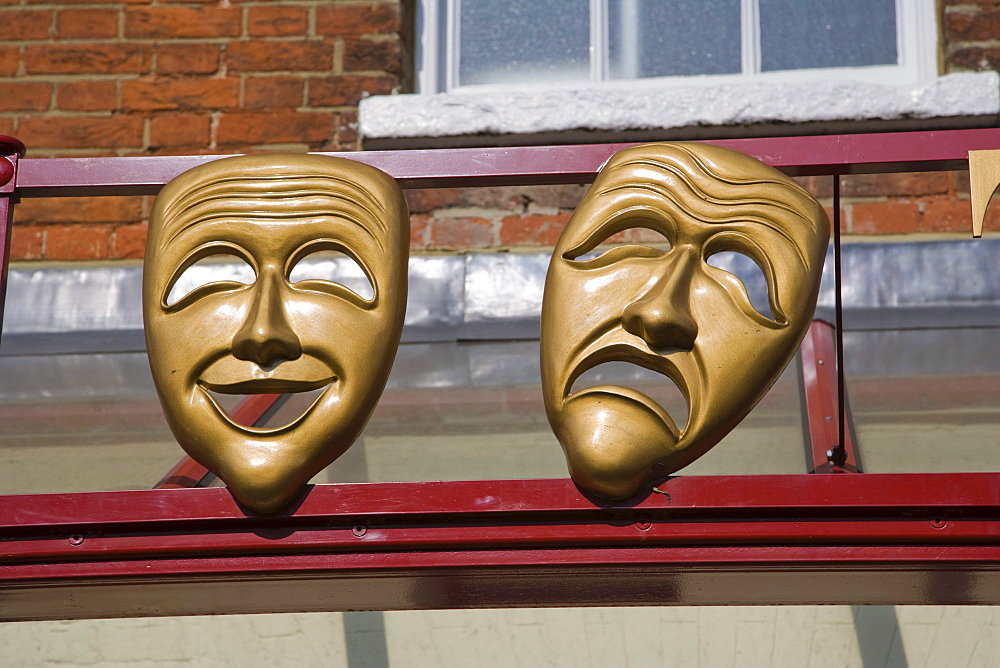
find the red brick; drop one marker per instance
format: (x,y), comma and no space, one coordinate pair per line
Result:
(312,56)
(975,58)
(25,96)
(87,96)
(87,59)
(947,214)
(10,57)
(347,130)
(461,233)
(181,94)
(532,230)
(980,26)
(175,130)
(87,23)
(27,242)
(128,241)
(557,197)
(75,132)
(348,89)
(187,58)
(77,242)
(7,126)
(961,181)
(430,199)
(914,184)
(362,55)
(269,21)
(272,92)
(818,186)
(27,24)
(887,217)
(418,232)
(275,127)
(357,19)
(173,22)
(80,210)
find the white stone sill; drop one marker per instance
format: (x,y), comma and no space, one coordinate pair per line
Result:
(486,118)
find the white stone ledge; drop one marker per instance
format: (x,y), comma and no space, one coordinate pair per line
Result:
(969,99)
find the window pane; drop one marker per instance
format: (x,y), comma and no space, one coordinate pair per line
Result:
(659,38)
(521,41)
(835,33)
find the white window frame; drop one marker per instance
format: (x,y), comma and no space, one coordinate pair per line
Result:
(916,42)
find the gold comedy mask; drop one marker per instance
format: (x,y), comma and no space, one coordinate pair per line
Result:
(274,335)
(668,310)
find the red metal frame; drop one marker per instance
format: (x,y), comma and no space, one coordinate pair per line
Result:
(702,540)
(928,538)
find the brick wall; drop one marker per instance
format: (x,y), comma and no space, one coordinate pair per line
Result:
(187,76)
(147,77)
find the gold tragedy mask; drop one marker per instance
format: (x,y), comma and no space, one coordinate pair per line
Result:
(668,310)
(274,334)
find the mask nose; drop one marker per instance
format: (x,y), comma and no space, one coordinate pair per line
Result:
(266,336)
(662,316)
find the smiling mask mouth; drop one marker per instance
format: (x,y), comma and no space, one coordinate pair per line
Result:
(658,391)
(230,382)
(285,410)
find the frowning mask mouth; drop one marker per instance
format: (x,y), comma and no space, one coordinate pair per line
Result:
(654,387)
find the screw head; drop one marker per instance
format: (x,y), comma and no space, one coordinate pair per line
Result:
(359,530)
(76,539)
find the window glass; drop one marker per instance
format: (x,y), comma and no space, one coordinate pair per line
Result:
(520,41)
(660,38)
(835,33)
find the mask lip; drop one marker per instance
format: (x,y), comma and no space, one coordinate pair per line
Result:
(265,431)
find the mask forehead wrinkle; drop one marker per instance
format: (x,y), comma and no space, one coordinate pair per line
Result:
(295,205)
(709,203)
(289,185)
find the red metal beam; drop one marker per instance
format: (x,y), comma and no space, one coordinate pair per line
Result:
(825,154)
(883,538)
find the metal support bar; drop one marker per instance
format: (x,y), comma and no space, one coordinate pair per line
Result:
(530,165)
(817,356)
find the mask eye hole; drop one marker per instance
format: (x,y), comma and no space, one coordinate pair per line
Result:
(214,272)
(326,267)
(749,273)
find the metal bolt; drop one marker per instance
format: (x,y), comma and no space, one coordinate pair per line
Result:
(359,530)
(76,540)
(820,362)
(828,417)
(643,524)
(939,522)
